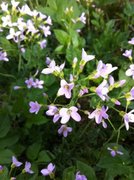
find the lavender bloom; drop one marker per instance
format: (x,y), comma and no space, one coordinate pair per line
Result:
(34,107)
(49,20)
(17,87)
(114,151)
(64,130)
(66,113)
(99,115)
(38,84)
(43,44)
(1,168)
(31,28)
(49,170)
(53,111)
(131,41)
(25,10)
(3,56)
(29,82)
(86,57)
(102,90)
(104,70)
(80,177)
(65,89)
(128,54)
(130,71)
(46,30)
(82,18)
(15,162)
(27,168)
(83,91)
(128,117)
(52,68)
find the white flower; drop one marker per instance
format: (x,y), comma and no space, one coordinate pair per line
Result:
(86,57)
(128,117)
(66,113)
(130,71)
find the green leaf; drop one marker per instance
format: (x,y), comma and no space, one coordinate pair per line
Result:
(5,156)
(68,173)
(45,156)
(87,170)
(62,36)
(8,141)
(4,125)
(33,151)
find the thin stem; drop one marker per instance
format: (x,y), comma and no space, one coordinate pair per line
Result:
(84,130)
(20,62)
(112,125)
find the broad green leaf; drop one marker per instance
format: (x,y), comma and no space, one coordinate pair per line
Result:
(8,141)
(62,36)
(87,170)
(33,151)
(44,156)
(4,125)
(68,173)
(5,156)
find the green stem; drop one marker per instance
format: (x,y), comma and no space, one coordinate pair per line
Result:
(7,75)
(20,62)
(84,130)
(112,125)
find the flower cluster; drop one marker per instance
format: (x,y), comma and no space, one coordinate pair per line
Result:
(24,25)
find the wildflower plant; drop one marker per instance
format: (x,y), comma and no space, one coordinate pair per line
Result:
(67,93)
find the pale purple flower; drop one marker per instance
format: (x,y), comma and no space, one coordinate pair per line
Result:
(114,151)
(102,90)
(43,44)
(86,57)
(49,20)
(42,16)
(131,41)
(3,56)
(65,89)
(49,170)
(34,107)
(53,111)
(114,84)
(48,60)
(67,113)
(6,21)
(130,71)
(128,118)
(128,53)
(82,18)
(29,82)
(15,162)
(80,176)
(17,87)
(38,84)
(25,10)
(64,130)
(46,30)
(1,168)
(31,28)
(104,70)
(52,68)
(27,168)
(130,95)
(83,91)
(99,115)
